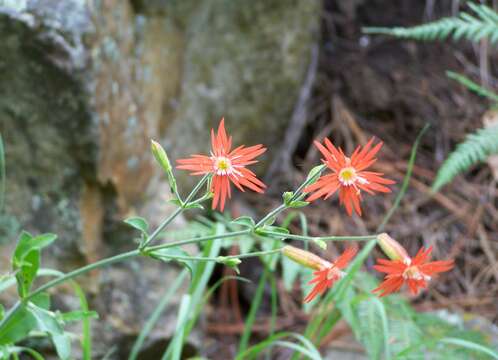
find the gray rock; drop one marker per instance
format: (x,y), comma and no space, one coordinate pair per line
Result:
(86,84)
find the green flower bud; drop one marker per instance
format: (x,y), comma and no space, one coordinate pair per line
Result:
(391,247)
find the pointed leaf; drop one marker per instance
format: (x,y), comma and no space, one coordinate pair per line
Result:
(298,204)
(246,221)
(138,223)
(22,322)
(26,272)
(48,322)
(27,242)
(170,254)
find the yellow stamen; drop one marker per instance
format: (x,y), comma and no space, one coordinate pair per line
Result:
(223,164)
(347,176)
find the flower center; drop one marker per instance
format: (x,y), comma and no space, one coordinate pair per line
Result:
(412,272)
(334,273)
(222,165)
(348,176)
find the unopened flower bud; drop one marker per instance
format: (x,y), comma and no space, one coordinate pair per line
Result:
(163,160)
(391,247)
(160,155)
(305,258)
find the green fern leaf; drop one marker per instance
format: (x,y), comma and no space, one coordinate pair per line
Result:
(469,84)
(483,23)
(477,147)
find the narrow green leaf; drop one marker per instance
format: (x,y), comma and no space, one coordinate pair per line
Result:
(154,317)
(183,315)
(471,85)
(406,179)
(339,290)
(10,350)
(201,304)
(471,346)
(251,316)
(200,278)
(308,349)
(2,174)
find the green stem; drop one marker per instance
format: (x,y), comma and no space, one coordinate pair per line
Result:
(161,227)
(272,213)
(109,261)
(82,270)
(196,240)
(177,212)
(307,182)
(255,253)
(68,276)
(296,196)
(315,238)
(196,189)
(215,259)
(406,179)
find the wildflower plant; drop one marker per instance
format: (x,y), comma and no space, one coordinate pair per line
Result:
(337,289)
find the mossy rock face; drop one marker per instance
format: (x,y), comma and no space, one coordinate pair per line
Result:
(245,61)
(85,88)
(47,127)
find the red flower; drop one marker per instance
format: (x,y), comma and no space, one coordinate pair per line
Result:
(327,276)
(414,272)
(226,165)
(348,175)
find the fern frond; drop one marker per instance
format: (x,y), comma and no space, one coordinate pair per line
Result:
(469,84)
(483,23)
(475,148)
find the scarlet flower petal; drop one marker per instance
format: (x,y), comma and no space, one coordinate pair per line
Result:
(435,267)
(389,286)
(343,260)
